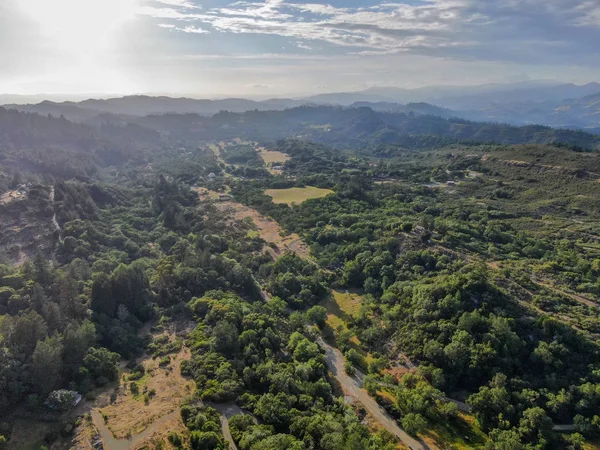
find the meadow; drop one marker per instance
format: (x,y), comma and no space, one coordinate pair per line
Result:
(296,196)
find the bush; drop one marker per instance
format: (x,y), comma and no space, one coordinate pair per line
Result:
(164,361)
(205,440)
(414,423)
(175,439)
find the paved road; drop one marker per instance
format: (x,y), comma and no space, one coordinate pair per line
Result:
(336,362)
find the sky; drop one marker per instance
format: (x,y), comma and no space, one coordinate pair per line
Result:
(216,48)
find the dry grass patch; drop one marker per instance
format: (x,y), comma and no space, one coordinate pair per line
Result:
(273,156)
(268,230)
(296,196)
(161,391)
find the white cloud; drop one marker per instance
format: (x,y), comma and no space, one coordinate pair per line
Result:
(489,29)
(194,30)
(179,3)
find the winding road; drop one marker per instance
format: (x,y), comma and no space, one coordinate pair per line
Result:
(227,410)
(336,362)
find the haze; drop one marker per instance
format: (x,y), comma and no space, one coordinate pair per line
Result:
(275,48)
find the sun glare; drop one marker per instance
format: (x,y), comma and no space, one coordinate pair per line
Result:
(80,25)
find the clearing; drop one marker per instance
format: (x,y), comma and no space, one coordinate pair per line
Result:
(272,159)
(131,414)
(126,420)
(267,229)
(341,306)
(273,156)
(295,196)
(10,196)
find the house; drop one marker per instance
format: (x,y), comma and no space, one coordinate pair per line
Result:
(63,400)
(451,183)
(212,176)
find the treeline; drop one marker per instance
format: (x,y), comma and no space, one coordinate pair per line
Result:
(359,128)
(63,149)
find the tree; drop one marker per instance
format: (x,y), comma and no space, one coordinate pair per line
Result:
(491,405)
(504,440)
(47,364)
(535,425)
(102,365)
(225,338)
(77,340)
(202,440)
(274,409)
(318,315)
(414,423)
(102,298)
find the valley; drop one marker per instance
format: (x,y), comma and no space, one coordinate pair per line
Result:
(310,278)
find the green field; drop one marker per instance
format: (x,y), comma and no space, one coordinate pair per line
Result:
(295,196)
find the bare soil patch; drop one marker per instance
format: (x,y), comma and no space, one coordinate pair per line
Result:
(10,196)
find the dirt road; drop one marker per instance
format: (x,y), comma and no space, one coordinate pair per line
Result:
(111,443)
(336,362)
(227,410)
(54,221)
(334,358)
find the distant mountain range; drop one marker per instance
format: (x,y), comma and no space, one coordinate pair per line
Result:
(538,102)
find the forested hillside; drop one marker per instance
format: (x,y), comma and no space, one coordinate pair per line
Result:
(316,278)
(359,128)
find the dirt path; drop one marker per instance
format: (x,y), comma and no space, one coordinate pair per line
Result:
(336,362)
(227,410)
(112,443)
(54,221)
(576,297)
(270,231)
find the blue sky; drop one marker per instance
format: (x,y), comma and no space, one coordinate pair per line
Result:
(215,48)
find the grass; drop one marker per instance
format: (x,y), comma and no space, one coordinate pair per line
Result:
(295,196)
(461,434)
(130,414)
(340,307)
(272,156)
(349,302)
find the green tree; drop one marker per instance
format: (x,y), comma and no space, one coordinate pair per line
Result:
(414,423)
(47,364)
(317,315)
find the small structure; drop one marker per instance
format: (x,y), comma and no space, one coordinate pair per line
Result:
(225,197)
(212,176)
(451,183)
(63,400)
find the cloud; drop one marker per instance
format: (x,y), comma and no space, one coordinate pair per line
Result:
(303,46)
(179,3)
(516,30)
(194,30)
